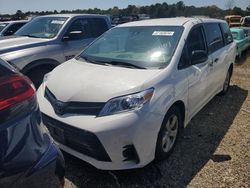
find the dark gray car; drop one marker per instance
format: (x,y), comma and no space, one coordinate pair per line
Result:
(10,27)
(47,41)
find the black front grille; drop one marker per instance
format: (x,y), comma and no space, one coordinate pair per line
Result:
(85,108)
(79,140)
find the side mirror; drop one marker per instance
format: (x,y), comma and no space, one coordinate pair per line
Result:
(199,56)
(73,35)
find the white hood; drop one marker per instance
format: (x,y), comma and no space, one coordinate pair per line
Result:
(85,82)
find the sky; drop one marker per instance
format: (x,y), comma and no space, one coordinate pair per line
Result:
(11,6)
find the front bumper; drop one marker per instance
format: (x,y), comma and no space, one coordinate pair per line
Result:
(121,141)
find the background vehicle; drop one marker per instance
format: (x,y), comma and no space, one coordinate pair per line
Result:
(123,101)
(233,20)
(10,27)
(47,41)
(245,21)
(241,40)
(28,155)
(246,32)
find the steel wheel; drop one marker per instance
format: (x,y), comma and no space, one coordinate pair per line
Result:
(227,82)
(170,133)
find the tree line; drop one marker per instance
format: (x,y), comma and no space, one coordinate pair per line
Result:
(158,10)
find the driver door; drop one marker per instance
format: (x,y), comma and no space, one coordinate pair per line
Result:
(197,73)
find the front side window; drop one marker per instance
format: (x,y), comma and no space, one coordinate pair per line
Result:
(13,28)
(3,25)
(228,38)
(145,46)
(214,37)
(83,27)
(42,27)
(195,42)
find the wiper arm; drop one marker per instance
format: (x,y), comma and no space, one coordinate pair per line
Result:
(87,59)
(116,63)
(32,36)
(124,64)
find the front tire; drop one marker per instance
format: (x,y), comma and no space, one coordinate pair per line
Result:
(168,134)
(226,84)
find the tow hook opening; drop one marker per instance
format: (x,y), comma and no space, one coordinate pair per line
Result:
(130,154)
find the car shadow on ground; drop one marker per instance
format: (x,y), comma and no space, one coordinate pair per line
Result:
(243,58)
(194,149)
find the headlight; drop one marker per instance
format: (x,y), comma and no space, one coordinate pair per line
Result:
(127,103)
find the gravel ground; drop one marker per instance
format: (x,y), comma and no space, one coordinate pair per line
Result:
(213,151)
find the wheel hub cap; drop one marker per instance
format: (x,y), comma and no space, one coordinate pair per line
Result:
(170,133)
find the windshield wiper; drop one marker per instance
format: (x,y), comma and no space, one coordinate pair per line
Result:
(32,36)
(123,64)
(87,59)
(113,63)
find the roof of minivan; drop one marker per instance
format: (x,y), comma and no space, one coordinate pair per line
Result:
(70,15)
(178,21)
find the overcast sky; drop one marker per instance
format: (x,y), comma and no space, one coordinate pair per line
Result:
(11,6)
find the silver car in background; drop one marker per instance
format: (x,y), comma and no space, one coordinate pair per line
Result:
(47,41)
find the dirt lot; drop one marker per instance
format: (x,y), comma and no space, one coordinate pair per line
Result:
(214,150)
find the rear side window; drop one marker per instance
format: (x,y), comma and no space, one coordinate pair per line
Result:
(99,26)
(227,35)
(214,37)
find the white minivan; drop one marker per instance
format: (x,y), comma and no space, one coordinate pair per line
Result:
(123,101)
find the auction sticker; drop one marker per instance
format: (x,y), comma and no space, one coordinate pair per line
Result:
(58,22)
(163,33)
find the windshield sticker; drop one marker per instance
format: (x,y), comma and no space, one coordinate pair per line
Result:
(163,33)
(57,22)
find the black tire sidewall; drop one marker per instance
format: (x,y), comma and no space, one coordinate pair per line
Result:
(36,75)
(223,92)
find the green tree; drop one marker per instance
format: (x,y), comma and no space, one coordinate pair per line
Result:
(180,5)
(248,8)
(237,11)
(114,11)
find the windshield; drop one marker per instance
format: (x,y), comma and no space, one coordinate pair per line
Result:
(2,26)
(42,27)
(146,46)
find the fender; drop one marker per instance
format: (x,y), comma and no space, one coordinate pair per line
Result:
(38,63)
